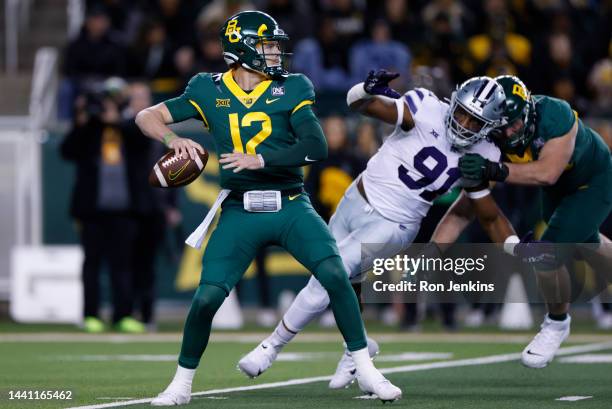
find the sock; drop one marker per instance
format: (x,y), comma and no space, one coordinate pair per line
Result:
(557,317)
(183,376)
(281,336)
(362,360)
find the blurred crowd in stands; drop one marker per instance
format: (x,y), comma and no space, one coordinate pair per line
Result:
(559,48)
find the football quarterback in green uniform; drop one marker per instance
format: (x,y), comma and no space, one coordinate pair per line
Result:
(546,144)
(264,128)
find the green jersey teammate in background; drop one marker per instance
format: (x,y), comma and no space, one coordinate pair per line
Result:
(546,144)
(264,129)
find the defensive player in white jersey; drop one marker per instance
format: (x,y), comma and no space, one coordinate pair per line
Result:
(385,205)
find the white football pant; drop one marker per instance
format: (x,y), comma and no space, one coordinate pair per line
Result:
(354,222)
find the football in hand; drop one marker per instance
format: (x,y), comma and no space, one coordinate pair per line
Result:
(174,171)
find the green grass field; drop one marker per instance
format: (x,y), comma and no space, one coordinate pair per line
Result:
(112,368)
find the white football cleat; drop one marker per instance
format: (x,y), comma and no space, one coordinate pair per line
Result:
(346,372)
(542,349)
(258,360)
(174,395)
(374,383)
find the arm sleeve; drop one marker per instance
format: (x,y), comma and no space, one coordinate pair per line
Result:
(311,145)
(182,108)
(399,104)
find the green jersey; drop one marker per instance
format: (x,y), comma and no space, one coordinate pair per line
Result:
(261,121)
(591,156)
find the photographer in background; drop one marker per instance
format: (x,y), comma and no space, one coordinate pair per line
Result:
(153,209)
(103,200)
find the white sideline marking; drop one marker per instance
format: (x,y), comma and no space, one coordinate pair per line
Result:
(306,356)
(573,398)
(122,357)
(492,359)
(588,359)
(282,357)
(413,356)
(256,337)
(112,398)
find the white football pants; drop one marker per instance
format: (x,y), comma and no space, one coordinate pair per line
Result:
(354,222)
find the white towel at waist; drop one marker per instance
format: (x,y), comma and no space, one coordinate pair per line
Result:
(196,238)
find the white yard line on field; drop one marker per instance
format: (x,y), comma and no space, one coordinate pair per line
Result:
(588,359)
(256,337)
(406,368)
(573,398)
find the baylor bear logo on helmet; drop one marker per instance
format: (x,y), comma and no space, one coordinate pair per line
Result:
(232,31)
(244,37)
(519,90)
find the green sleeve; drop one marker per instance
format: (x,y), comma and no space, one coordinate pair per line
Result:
(303,91)
(557,118)
(310,147)
(180,107)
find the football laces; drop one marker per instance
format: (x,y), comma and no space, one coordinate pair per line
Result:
(170,161)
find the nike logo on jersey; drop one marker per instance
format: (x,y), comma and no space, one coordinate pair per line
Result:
(294,196)
(307,159)
(269,101)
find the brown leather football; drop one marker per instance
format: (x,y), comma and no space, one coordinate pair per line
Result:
(173,171)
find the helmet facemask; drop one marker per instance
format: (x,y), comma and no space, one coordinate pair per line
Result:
(460,136)
(271,56)
(247,46)
(476,109)
(515,136)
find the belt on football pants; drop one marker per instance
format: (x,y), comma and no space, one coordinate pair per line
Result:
(196,238)
(238,195)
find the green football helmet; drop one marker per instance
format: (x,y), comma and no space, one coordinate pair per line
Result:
(520,116)
(242,33)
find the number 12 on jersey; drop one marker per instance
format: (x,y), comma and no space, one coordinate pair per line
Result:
(429,175)
(247,120)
